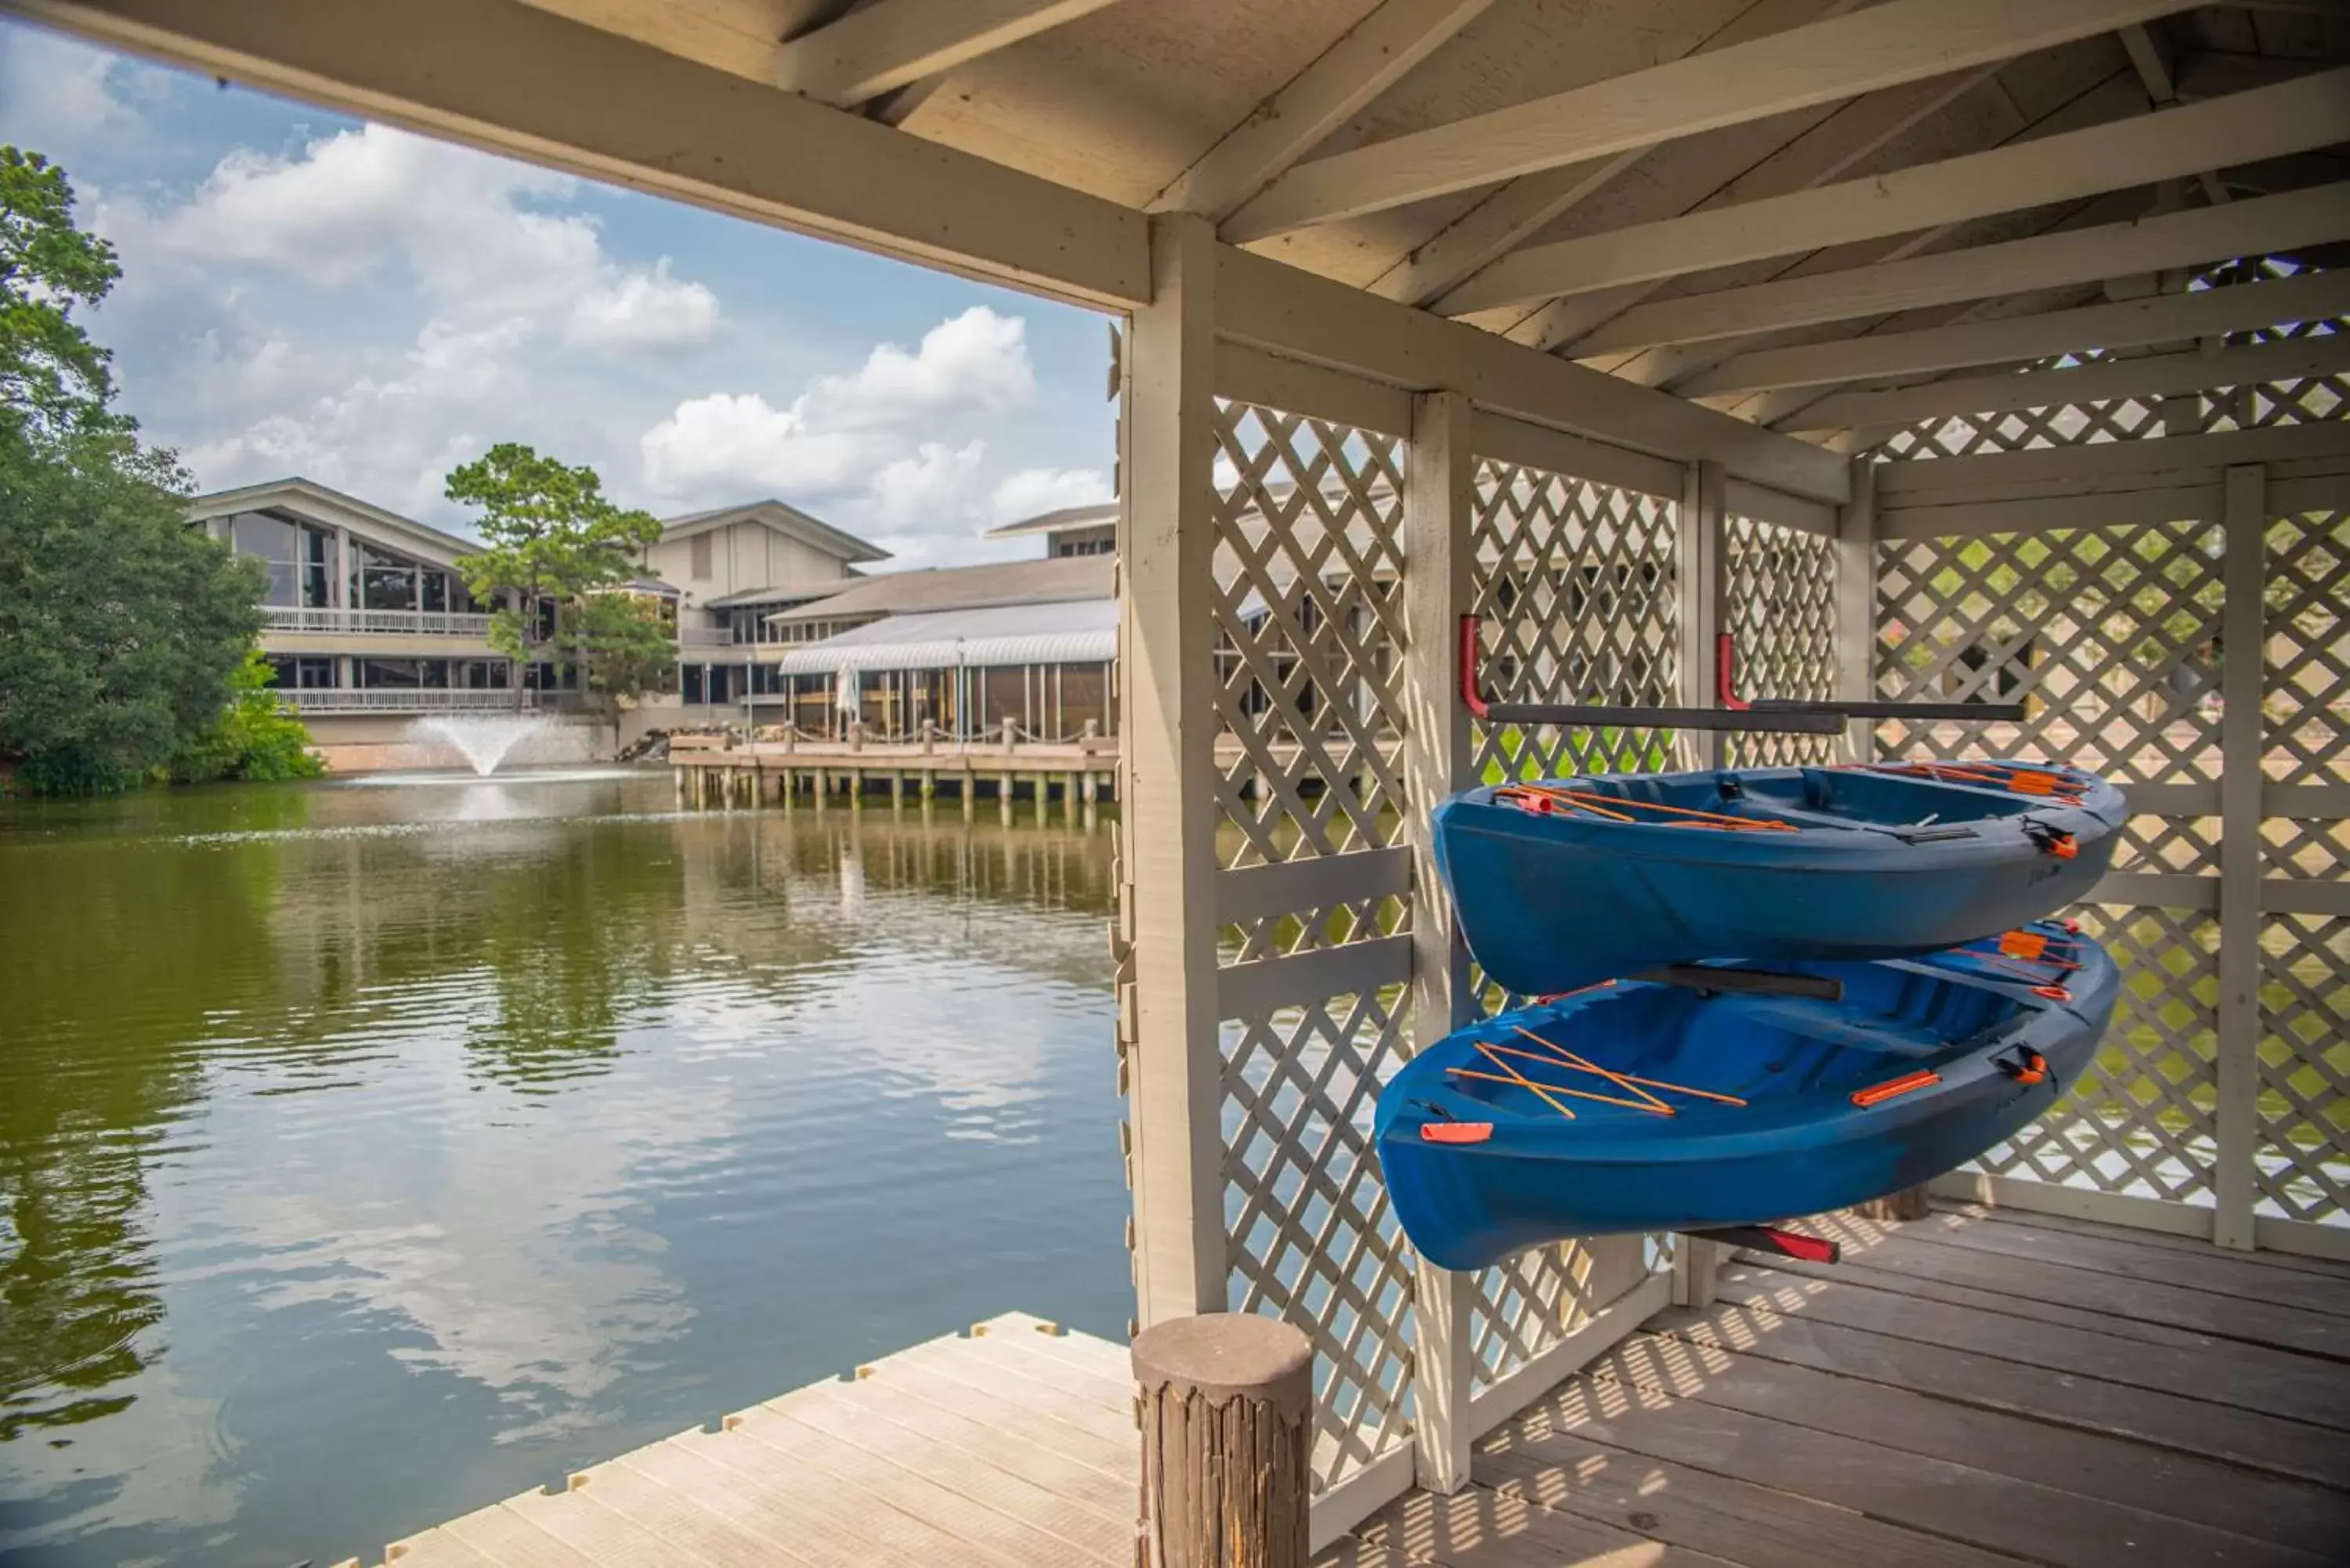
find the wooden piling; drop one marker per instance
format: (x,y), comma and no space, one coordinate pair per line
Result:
(1227,1408)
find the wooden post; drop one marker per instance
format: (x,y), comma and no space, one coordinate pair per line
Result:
(1909,1203)
(2236,1130)
(1169,1045)
(1437,500)
(1704,496)
(1227,1412)
(1856,625)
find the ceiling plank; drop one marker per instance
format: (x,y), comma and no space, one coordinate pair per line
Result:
(1520,208)
(2044,261)
(893,43)
(1369,59)
(2297,117)
(2190,372)
(2149,51)
(2240,307)
(515,80)
(1900,41)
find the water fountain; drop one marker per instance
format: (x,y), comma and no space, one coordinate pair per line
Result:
(484,739)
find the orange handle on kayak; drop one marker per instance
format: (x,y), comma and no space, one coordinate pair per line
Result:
(1876,1093)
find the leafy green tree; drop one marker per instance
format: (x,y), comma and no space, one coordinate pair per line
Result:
(626,642)
(553,538)
(119,626)
(256,738)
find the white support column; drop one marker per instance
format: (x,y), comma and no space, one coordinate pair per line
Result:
(1438,474)
(1855,627)
(1704,490)
(2245,518)
(1166,780)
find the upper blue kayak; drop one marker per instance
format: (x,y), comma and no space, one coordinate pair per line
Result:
(1562,884)
(1639,1107)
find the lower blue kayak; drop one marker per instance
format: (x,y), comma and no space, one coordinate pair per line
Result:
(1548,1123)
(1562,884)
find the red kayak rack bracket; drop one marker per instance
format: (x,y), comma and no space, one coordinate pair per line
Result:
(1772,1239)
(1736,713)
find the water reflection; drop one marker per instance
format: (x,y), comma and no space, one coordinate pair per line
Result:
(369,1154)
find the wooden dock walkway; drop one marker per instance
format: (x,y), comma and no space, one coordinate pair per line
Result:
(1969,1390)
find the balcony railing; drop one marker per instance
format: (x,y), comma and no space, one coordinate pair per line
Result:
(397,623)
(704,637)
(317,699)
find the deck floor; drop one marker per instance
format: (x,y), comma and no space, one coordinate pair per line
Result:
(1964,1391)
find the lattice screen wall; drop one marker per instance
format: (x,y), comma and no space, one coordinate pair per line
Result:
(1575,587)
(1779,605)
(1307,563)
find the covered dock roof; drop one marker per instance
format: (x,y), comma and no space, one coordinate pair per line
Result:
(1078,631)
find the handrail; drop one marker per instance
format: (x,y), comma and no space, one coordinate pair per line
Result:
(1587,714)
(1725,669)
(388,622)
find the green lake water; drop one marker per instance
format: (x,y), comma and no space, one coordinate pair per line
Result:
(372,1152)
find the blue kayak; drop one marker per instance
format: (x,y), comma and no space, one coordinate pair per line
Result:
(1564,883)
(1496,1139)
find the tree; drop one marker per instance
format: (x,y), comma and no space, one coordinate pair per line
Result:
(552,540)
(119,626)
(256,738)
(627,644)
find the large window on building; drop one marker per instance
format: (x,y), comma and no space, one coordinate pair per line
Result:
(401,674)
(294,554)
(383,580)
(308,674)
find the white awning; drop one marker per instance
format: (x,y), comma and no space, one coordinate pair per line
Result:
(1081,631)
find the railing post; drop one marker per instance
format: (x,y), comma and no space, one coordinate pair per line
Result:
(1855,623)
(1170,1056)
(2244,639)
(1440,476)
(1704,492)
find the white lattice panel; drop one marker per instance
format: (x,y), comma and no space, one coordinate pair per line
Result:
(1573,585)
(2109,636)
(2303,1109)
(1778,606)
(1307,566)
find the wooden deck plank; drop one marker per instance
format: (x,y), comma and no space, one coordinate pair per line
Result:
(1107,1493)
(1764,1528)
(1103,1537)
(509,1540)
(2077,1398)
(772,1507)
(857,1471)
(2223,1372)
(2045,1522)
(2224,1317)
(881,1532)
(1480,1528)
(1030,1355)
(602,1536)
(992,1375)
(1099,1356)
(2210,1268)
(2086,1465)
(2300,1263)
(680,1519)
(1041,1427)
(436,1549)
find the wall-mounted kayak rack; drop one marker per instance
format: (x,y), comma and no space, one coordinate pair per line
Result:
(1770,715)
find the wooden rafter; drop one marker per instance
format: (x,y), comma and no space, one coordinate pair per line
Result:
(892,43)
(2192,371)
(1901,41)
(2044,261)
(1372,55)
(2297,117)
(1523,207)
(2243,307)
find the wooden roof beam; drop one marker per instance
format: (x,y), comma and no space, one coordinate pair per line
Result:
(1900,41)
(2169,318)
(2297,117)
(895,43)
(515,80)
(2289,361)
(1982,271)
(1373,55)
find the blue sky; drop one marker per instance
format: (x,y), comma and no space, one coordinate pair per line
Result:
(307,293)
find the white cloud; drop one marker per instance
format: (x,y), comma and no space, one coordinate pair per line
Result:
(60,93)
(1033,491)
(335,214)
(892,446)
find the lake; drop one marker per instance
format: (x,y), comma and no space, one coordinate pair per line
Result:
(371,1152)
